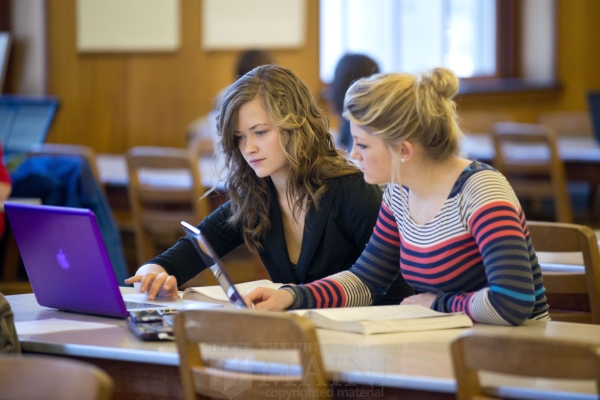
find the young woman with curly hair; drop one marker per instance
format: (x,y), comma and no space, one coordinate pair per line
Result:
(294,198)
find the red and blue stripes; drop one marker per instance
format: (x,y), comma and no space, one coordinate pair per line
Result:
(475,254)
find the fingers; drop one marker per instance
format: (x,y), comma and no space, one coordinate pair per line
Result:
(169,282)
(260,298)
(268,299)
(146,281)
(155,284)
(253,296)
(170,287)
(280,300)
(270,304)
(248,303)
(134,279)
(421,299)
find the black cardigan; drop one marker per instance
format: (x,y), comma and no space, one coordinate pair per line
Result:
(334,237)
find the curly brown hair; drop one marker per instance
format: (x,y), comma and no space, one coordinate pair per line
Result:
(304,139)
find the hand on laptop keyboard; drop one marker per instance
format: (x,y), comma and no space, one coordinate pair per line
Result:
(153,280)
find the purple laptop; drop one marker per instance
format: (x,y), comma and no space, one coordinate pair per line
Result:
(66,261)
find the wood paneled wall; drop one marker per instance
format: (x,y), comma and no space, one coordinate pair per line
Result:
(114,101)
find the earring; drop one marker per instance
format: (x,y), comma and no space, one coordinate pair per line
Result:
(402,159)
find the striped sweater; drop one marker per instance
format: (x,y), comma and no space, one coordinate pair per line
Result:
(475,254)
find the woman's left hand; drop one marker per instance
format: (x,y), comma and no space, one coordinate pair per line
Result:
(421,299)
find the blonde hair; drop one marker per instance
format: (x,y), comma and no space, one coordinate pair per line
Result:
(305,140)
(398,107)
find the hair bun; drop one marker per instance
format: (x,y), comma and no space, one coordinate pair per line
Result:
(442,80)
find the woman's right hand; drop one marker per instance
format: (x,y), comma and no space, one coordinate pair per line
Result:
(155,282)
(268,299)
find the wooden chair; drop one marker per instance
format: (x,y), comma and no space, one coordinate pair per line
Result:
(521,356)
(159,205)
(52,378)
(567,123)
(527,155)
(572,123)
(572,297)
(481,121)
(250,330)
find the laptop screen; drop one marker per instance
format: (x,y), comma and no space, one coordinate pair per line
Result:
(5,42)
(217,268)
(594,105)
(25,121)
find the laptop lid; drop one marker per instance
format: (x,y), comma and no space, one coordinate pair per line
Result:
(25,122)
(216,268)
(594,105)
(5,43)
(66,260)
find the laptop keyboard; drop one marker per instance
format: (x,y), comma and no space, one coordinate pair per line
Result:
(132,305)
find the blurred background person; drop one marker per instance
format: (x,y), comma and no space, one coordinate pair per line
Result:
(349,68)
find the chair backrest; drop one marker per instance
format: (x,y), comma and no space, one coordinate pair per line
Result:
(52,378)
(246,330)
(482,121)
(567,123)
(563,289)
(527,154)
(521,356)
(164,189)
(87,153)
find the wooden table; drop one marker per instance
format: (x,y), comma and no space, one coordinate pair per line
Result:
(407,365)
(113,172)
(580,154)
(113,175)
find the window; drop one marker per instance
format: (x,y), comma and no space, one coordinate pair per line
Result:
(411,35)
(474,38)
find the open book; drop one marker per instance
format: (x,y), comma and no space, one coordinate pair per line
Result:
(215,294)
(384,319)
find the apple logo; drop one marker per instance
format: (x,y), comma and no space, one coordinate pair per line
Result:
(62,259)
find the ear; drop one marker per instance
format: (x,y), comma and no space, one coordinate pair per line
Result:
(405,150)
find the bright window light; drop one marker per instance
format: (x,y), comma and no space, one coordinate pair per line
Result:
(411,35)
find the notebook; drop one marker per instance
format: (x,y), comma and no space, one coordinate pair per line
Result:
(594,105)
(68,266)
(216,267)
(24,122)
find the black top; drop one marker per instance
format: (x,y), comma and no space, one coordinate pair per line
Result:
(334,237)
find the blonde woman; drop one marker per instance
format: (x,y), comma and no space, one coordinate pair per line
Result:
(294,198)
(453,227)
